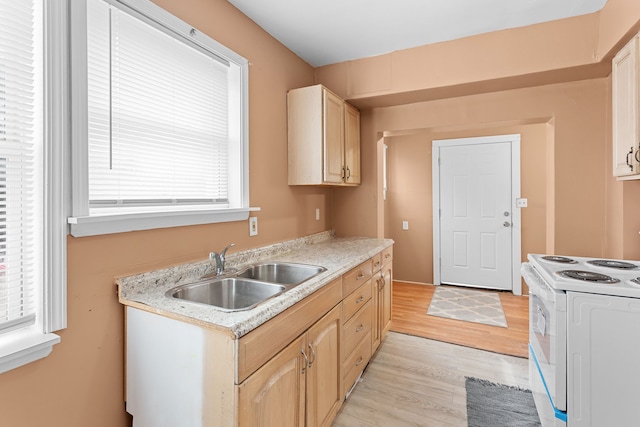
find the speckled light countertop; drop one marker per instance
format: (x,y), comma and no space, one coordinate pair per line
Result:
(338,255)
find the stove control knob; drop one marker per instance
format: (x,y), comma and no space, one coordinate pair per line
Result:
(506,224)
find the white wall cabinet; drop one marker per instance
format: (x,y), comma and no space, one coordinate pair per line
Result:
(323,138)
(626,136)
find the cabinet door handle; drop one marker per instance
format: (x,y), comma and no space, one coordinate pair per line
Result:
(630,153)
(359,361)
(360,276)
(348,173)
(359,328)
(359,300)
(313,354)
(306,361)
(636,154)
(376,264)
(384,283)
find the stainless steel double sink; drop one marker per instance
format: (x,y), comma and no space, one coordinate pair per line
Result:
(247,288)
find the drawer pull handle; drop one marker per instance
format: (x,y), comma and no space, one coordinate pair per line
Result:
(360,276)
(387,256)
(376,264)
(359,300)
(313,354)
(359,328)
(359,361)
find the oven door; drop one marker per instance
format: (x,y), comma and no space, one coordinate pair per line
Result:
(548,343)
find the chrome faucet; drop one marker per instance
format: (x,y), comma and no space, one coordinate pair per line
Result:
(219,258)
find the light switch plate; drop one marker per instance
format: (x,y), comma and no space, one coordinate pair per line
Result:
(405,225)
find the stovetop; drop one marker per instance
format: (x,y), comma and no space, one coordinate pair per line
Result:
(591,275)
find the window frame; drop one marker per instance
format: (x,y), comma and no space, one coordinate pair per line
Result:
(28,344)
(116,220)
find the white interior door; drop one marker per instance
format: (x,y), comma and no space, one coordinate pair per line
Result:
(476,213)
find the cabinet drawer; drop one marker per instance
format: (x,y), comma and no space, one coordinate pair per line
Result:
(354,302)
(377,262)
(261,344)
(356,277)
(356,363)
(356,328)
(387,255)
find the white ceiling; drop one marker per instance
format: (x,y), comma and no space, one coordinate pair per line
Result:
(329,31)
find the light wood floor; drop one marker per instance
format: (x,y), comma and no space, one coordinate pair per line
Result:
(413,381)
(410,304)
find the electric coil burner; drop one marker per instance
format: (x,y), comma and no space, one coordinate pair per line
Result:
(610,263)
(587,276)
(593,275)
(559,259)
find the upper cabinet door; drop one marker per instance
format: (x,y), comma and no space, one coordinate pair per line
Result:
(351,145)
(333,138)
(323,138)
(625,111)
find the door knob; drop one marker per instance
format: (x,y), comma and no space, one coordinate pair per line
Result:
(506,224)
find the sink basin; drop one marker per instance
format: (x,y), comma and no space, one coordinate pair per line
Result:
(230,293)
(281,272)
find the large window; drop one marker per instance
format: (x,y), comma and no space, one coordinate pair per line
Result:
(32,229)
(165,140)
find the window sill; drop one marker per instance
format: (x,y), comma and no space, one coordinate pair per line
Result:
(24,346)
(123,222)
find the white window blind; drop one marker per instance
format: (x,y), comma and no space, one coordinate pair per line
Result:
(157,115)
(21,214)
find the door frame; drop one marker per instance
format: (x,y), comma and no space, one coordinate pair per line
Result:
(516,249)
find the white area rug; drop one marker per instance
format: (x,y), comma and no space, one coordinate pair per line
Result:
(470,305)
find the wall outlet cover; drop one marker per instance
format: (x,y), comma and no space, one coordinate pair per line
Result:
(253,226)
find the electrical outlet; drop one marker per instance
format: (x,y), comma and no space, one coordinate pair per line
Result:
(317,214)
(521,202)
(405,225)
(253,226)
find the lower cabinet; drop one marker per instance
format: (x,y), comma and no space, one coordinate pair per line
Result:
(381,296)
(324,385)
(300,385)
(384,304)
(275,394)
(293,370)
(357,318)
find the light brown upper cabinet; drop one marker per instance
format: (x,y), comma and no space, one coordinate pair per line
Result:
(324,138)
(626,136)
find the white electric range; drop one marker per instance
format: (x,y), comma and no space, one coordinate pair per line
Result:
(584,340)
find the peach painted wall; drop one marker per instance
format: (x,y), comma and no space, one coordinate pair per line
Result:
(565,50)
(410,195)
(81,383)
(478,81)
(578,143)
